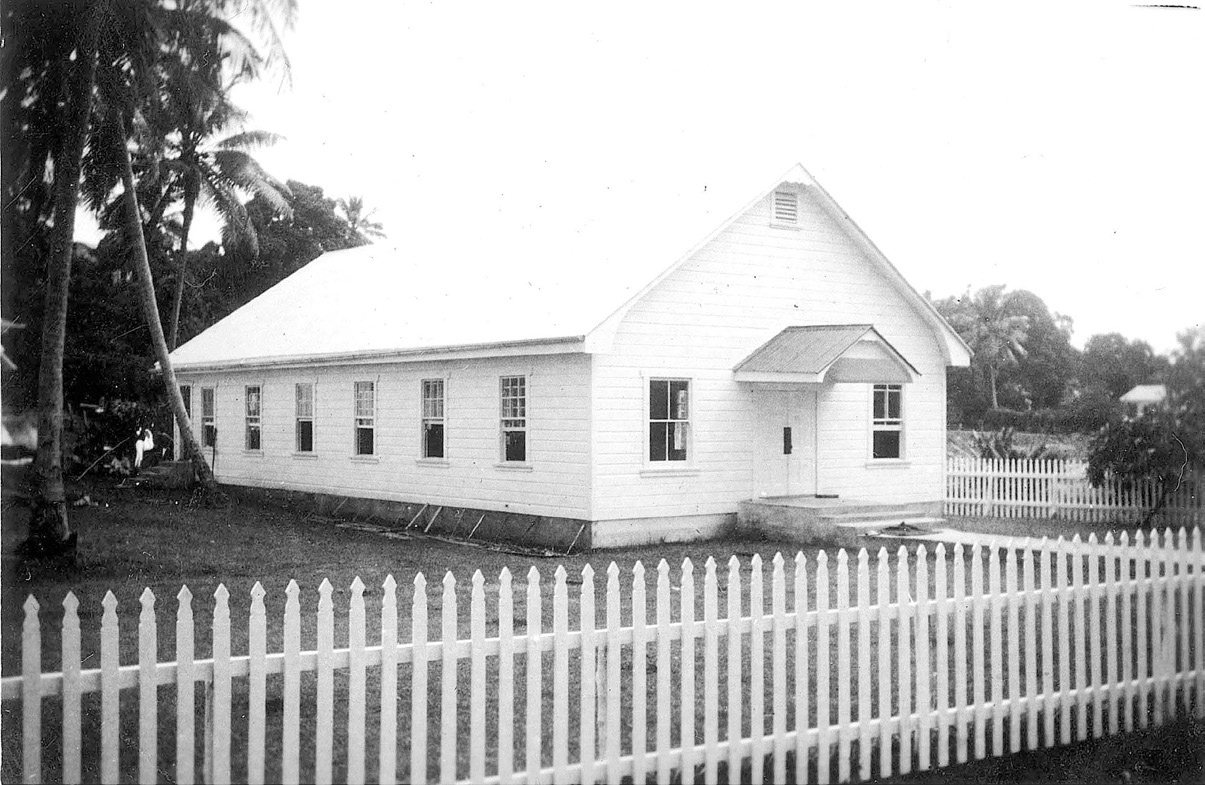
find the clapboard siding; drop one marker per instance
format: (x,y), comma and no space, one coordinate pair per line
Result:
(733,294)
(558,405)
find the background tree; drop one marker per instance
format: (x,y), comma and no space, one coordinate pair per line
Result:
(1164,443)
(1046,373)
(993,328)
(1115,364)
(360,223)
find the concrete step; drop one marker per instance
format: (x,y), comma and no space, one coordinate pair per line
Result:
(880,514)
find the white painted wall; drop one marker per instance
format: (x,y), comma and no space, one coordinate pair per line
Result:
(735,293)
(555,481)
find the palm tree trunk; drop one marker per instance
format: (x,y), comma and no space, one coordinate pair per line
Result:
(991,379)
(150,309)
(49,531)
(190,201)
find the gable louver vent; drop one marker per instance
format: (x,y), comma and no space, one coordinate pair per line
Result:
(786,207)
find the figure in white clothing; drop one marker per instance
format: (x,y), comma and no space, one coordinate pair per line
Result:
(146,441)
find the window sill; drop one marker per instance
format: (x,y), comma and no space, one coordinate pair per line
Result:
(514,466)
(364,458)
(306,456)
(670,471)
(438,463)
(888,463)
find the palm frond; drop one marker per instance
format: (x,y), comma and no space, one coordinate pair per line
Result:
(243,171)
(249,140)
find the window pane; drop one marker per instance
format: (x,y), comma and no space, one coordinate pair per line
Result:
(658,400)
(516,445)
(658,441)
(364,441)
(252,401)
(186,394)
(209,435)
(880,402)
(305,436)
(886,444)
(207,401)
(679,400)
(433,440)
(364,395)
(893,403)
(252,437)
(305,400)
(677,441)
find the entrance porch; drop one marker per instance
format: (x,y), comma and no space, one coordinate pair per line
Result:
(829,520)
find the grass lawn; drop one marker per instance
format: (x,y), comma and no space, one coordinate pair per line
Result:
(159,540)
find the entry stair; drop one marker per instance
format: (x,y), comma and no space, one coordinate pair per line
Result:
(846,523)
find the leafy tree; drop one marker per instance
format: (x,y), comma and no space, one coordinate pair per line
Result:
(1046,372)
(1162,443)
(1115,364)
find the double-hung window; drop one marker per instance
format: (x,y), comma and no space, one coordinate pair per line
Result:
(669,419)
(514,418)
(365,394)
(209,428)
(433,418)
(305,416)
(253,417)
(887,426)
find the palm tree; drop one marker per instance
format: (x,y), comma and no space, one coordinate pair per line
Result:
(105,58)
(995,335)
(359,223)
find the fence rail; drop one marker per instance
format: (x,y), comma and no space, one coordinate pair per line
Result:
(1006,488)
(932,658)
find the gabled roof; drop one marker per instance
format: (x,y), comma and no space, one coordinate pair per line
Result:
(499,282)
(1145,393)
(807,353)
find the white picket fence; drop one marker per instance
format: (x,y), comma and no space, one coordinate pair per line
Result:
(947,659)
(1060,489)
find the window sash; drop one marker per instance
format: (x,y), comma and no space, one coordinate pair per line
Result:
(254,406)
(364,431)
(513,410)
(209,430)
(304,415)
(887,422)
(669,420)
(432,421)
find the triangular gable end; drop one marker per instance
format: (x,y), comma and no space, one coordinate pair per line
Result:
(954,349)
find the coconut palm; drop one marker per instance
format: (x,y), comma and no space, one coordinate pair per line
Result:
(995,334)
(359,223)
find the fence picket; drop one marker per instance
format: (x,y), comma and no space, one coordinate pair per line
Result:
(736,683)
(185,689)
(110,719)
(257,640)
(356,684)
(418,681)
(778,611)
(448,624)
(1146,571)
(864,605)
(1013,640)
(924,703)
(639,675)
(477,678)
(1196,558)
(148,691)
(560,675)
(942,650)
(588,625)
(324,758)
(219,711)
(843,675)
(977,650)
(904,659)
(72,728)
(884,665)
(291,720)
(1064,642)
(610,745)
(1048,690)
(823,674)
(996,647)
(1128,577)
(663,672)
(387,763)
(711,678)
(31,692)
(1080,642)
(1110,644)
(802,692)
(1031,646)
(757,664)
(687,680)
(1095,591)
(506,669)
(1183,612)
(961,685)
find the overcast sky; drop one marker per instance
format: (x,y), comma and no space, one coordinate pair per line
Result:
(1051,147)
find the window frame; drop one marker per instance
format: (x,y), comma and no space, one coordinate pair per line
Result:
(255,421)
(518,421)
(887,423)
(667,462)
(299,417)
(357,418)
(425,418)
(209,427)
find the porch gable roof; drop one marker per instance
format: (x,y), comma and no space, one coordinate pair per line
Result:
(830,352)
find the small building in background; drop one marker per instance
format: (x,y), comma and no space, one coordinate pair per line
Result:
(1144,397)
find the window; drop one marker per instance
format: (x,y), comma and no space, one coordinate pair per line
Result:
(669,419)
(786,207)
(514,418)
(186,394)
(887,439)
(253,418)
(209,428)
(305,417)
(366,417)
(433,418)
